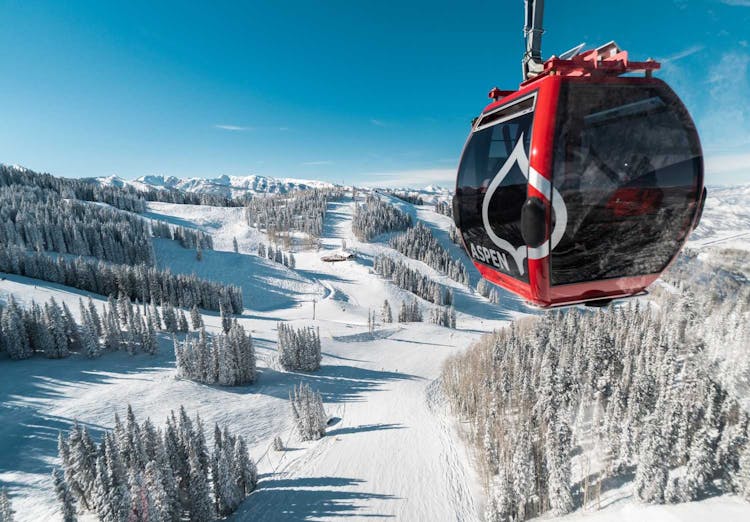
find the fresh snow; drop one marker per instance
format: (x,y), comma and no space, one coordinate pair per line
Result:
(392,450)
(227,186)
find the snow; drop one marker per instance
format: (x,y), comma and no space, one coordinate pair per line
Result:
(392,450)
(227,186)
(727,508)
(726,219)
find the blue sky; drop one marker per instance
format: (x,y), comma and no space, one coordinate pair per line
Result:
(340,90)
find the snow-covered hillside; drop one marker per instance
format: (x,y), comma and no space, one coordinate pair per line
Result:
(226,186)
(392,450)
(726,219)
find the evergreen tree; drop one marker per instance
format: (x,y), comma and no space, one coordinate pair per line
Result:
(308,414)
(386,315)
(200,506)
(226,319)
(195,318)
(651,475)
(183,324)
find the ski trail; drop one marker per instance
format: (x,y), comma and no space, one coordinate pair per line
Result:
(392,455)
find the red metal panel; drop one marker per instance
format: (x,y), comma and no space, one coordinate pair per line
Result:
(617,287)
(507,282)
(540,159)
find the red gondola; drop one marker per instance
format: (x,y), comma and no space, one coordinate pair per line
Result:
(583,185)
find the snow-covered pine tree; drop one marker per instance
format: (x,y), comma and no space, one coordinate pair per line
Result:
(226,318)
(308,413)
(201,507)
(501,505)
(299,350)
(170,318)
(55,324)
(742,477)
(15,340)
(558,449)
(651,474)
(182,324)
(159,506)
(6,510)
(386,314)
(196,319)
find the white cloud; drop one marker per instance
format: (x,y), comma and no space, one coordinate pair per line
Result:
(234,128)
(410,178)
(740,3)
(318,162)
(683,54)
(378,123)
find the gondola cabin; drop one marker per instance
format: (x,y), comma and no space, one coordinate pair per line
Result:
(583,185)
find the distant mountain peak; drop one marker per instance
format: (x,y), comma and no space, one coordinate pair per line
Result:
(223,185)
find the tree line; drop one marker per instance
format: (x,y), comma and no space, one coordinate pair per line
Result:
(51,330)
(41,220)
(629,388)
(412,281)
(445,208)
(375,217)
(419,243)
(282,214)
(277,255)
(140,282)
(125,198)
(186,237)
(140,472)
(410,197)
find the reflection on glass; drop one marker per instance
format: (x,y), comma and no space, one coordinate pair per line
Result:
(485,154)
(627,165)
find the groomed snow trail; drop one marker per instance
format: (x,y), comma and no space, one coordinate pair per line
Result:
(388,456)
(392,452)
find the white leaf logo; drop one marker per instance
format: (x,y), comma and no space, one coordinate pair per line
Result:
(542,184)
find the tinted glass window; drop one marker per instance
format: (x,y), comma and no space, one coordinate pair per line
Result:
(489,168)
(627,166)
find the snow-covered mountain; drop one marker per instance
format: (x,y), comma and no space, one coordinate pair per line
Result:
(226,186)
(726,219)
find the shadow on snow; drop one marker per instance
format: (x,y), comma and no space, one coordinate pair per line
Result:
(307,498)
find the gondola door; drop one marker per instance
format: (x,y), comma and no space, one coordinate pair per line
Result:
(492,189)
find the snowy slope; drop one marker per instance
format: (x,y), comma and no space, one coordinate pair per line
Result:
(393,452)
(726,219)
